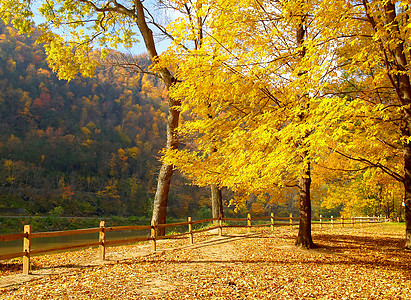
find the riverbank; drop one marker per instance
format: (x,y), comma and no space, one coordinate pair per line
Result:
(366,262)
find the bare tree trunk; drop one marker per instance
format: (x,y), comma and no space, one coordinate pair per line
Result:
(161,197)
(304,238)
(217,202)
(407,197)
(166,171)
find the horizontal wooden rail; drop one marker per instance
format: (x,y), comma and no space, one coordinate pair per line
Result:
(123,228)
(204,221)
(66,247)
(63,233)
(209,220)
(234,219)
(260,225)
(12,255)
(12,237)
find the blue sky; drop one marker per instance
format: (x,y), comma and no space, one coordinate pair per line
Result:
(138,48)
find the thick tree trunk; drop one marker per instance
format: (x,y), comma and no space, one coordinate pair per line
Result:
(217,202)
(166,171)
(160,199)
(304,238)
(407,198)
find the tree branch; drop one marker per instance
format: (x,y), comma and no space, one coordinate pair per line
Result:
(378,165)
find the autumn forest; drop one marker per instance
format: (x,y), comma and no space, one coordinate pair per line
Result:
(88,147)
(255,106)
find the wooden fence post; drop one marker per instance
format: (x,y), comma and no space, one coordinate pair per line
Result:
(26,248)
(332,221)
(153,236)
(190,230)
(249,223)
(342,221)
(291,221)
(102,240)
(321,221)
(272,222)
(220,224)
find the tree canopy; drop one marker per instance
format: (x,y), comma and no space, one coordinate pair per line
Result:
(270,91)
(293,83)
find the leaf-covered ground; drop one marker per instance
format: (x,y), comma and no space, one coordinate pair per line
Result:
(359,263)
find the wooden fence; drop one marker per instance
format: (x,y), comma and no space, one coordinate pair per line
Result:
(347,221)
(102,243)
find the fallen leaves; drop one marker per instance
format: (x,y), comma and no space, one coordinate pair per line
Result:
(359,263)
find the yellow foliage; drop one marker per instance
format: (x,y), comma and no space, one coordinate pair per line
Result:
(133,152)
(259,105)
(86,131)
(266,87)
(8,164)
(11,65)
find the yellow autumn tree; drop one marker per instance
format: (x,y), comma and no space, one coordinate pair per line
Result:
(288,84)
(358,189)
(375,73)
(261,102)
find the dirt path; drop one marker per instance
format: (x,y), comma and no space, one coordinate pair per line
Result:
(211,250)
(350,264)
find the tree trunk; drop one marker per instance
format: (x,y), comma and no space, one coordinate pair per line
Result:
(304,238)
(160,199)
(217,202)
(166,171)
(402,85)
(407,198)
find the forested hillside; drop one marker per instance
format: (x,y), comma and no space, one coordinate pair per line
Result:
(83,147)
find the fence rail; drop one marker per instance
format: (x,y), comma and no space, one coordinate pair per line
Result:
(219,224)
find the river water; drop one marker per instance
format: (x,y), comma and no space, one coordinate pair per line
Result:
(50,242)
